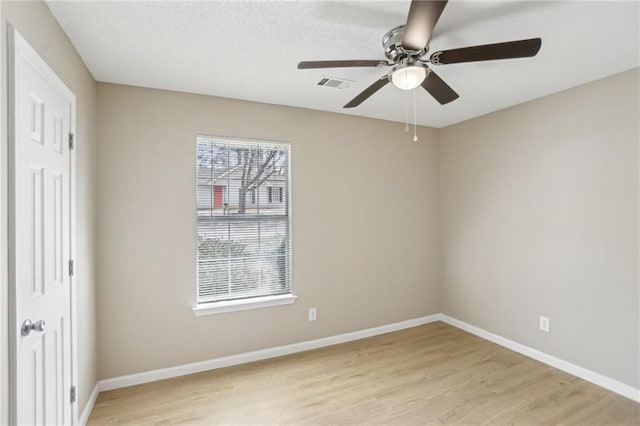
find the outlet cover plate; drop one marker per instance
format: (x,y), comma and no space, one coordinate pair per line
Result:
(544,324)
(313,314)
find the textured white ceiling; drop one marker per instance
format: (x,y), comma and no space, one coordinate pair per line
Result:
(249,50)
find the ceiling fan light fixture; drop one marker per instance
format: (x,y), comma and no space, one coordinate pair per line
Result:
(408,77)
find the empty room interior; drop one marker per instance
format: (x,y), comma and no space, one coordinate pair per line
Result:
(351,212)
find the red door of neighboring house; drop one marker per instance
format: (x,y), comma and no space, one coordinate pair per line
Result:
(217,195)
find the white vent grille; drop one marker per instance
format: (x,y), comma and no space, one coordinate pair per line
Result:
(337,83)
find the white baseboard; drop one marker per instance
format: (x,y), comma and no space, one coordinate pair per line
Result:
(196,367)
(583,373)
(86,412)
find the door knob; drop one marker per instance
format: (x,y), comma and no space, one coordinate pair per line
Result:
(28,326)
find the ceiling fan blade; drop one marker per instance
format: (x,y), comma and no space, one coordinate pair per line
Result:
(439,89)
(341,64)
(379,84)
(488,52)
(423,16)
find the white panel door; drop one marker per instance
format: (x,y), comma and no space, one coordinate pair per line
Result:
(41,243)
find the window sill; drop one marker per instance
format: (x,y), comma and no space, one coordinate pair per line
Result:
(243,305)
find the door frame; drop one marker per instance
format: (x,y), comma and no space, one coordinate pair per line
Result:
(17,47)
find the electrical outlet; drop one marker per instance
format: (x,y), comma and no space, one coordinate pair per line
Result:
(313,314)
(544,324)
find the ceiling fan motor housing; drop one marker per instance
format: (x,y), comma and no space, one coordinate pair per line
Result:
(393,49)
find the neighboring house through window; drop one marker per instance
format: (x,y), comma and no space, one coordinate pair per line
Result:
(243,243)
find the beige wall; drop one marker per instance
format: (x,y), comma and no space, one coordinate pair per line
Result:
(34,21)
(539,216)
(364,225)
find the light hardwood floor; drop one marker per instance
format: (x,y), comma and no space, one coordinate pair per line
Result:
(433,374)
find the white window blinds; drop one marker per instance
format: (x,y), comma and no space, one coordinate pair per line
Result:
(243,240)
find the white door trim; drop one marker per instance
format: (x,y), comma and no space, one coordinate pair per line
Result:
(17,47)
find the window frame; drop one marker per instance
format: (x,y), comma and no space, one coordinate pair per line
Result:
(214,307)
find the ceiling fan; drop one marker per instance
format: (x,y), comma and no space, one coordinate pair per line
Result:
(404,47)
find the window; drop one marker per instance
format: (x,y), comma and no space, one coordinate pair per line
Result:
(243,244)
(275,193)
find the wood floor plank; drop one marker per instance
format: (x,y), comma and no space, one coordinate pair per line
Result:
(432,374)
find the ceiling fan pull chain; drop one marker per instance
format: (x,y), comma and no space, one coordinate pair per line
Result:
(415,135)
(406,113)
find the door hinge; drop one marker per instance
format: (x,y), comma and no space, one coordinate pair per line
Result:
(72,394)
(71,268)
(72,139)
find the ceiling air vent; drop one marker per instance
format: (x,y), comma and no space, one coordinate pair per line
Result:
(337,83)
